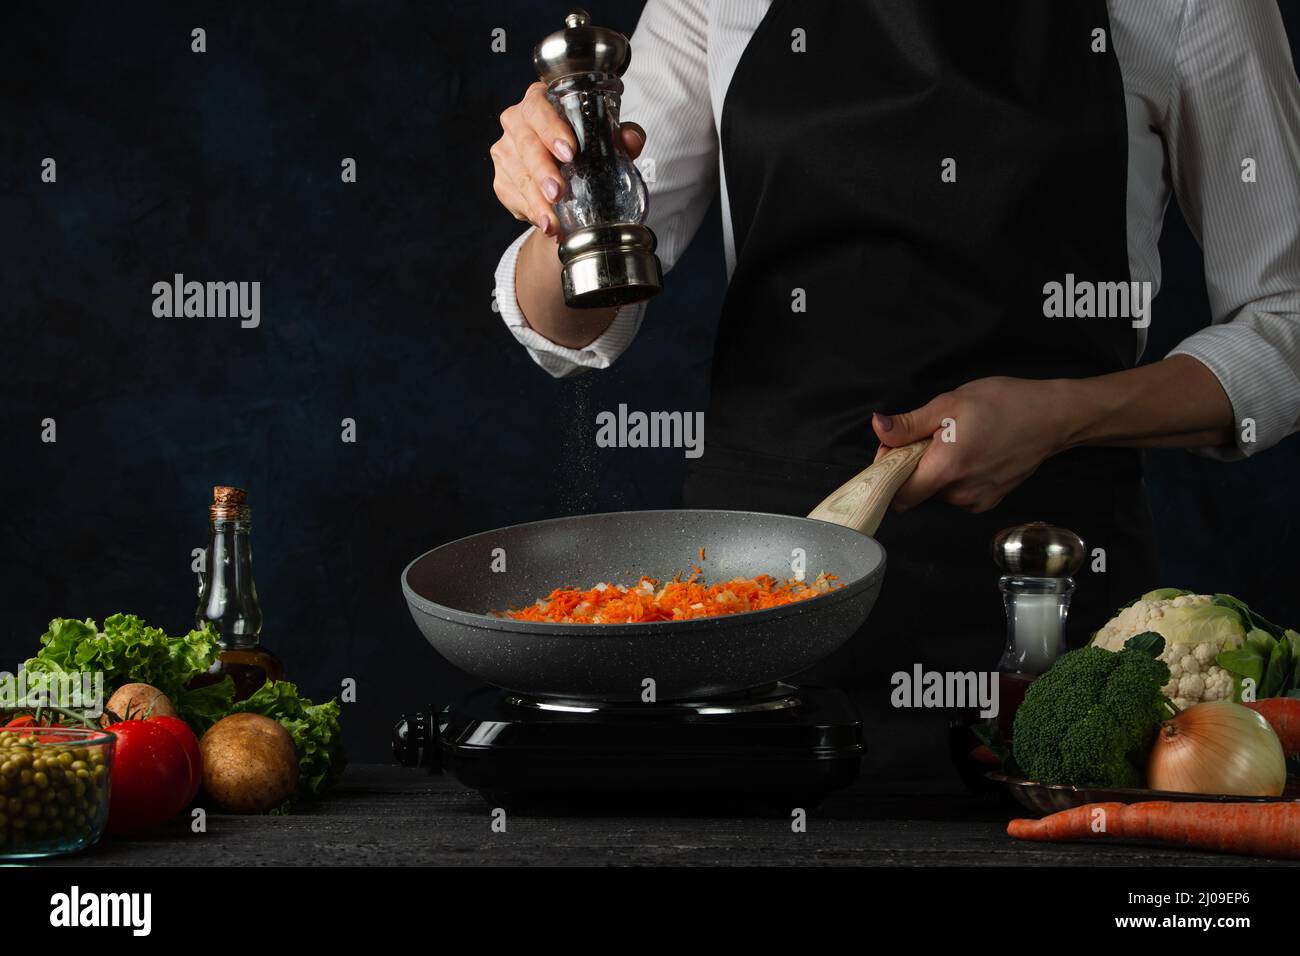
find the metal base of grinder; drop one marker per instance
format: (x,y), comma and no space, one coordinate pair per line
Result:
(609,265)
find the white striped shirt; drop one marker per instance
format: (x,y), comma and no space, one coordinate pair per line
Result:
(1208,84)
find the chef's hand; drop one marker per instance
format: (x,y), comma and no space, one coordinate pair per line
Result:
(534,141)
(989,436)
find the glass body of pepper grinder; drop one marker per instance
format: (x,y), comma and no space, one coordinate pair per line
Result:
(228,598)
(1038,563)
(607,251)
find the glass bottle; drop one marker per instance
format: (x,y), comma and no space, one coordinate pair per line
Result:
(228,598)
(1038,562)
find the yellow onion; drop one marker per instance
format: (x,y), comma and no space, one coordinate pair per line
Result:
(1218,747)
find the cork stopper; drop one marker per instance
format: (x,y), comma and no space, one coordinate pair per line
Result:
(229,502)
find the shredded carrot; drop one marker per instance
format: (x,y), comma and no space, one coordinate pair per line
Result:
(677,600)
(701,552)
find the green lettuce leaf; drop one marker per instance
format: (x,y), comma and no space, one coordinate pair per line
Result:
(315,730)
(202,707)
(127,650)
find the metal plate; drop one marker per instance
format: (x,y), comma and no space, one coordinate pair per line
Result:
(1045,798)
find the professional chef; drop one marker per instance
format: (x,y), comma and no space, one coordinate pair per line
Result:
(917,197)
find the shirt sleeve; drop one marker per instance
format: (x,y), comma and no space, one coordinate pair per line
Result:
(666,92)
(1233,133)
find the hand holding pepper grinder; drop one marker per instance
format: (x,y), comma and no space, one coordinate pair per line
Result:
(607,251)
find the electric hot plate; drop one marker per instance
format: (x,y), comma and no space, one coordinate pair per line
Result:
(765,750)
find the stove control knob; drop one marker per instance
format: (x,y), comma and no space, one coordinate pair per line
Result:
(413,744)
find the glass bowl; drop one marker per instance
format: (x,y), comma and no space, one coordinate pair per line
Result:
(53,789)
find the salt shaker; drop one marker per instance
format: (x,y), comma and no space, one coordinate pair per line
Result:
(607,251)
(1038,561)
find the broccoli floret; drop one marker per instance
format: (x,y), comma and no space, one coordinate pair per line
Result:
(1091,719)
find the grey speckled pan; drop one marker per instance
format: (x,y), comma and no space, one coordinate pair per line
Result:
(451,588)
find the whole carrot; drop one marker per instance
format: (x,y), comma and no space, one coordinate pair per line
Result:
(1250,829)
(1283,715)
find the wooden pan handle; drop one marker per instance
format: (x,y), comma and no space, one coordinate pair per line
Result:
(861,502)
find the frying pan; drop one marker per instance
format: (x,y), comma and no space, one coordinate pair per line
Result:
(451,589)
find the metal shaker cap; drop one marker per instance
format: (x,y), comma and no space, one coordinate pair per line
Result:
(1038,550)
(581,48)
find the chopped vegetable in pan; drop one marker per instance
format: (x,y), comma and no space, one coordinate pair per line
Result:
(675,601)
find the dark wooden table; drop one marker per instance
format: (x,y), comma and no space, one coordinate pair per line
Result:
(386,815)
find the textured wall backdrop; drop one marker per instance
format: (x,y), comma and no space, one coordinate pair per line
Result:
(376,306)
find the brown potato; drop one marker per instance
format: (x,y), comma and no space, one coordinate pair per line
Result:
(138,702)
(250,764)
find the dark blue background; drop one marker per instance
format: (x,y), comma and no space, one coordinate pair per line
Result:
(376,302)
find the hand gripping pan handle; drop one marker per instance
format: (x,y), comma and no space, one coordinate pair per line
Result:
(861,502)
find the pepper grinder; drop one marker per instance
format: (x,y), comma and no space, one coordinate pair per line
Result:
(607,252)
(1038,562)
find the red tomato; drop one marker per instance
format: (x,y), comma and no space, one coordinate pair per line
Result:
(27,720)
(181,731)
(150,782)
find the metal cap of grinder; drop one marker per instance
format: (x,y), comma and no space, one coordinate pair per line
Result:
(581,48)
(1038,550)
(608,261)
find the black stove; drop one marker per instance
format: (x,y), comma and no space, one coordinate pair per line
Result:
(764,751)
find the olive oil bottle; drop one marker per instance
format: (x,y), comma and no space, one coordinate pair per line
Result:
(228,598)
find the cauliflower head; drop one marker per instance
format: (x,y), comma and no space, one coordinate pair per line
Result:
(1195,630)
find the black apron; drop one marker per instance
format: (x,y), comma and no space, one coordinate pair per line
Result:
(914,286)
